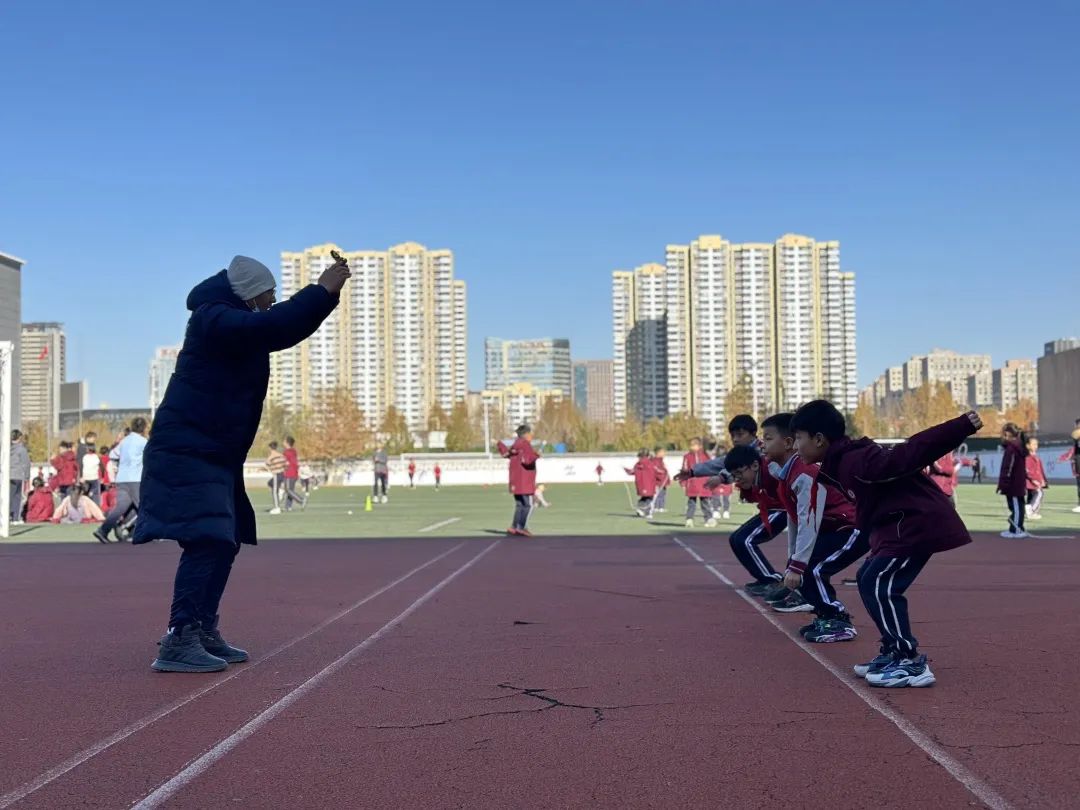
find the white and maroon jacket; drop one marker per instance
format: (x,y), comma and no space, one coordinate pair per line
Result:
(812,508)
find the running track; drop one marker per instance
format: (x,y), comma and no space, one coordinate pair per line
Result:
(556,672)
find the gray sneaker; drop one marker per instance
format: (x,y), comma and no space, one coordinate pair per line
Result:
(182,651)
(214,644)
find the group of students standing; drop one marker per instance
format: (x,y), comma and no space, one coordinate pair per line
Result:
(652,479)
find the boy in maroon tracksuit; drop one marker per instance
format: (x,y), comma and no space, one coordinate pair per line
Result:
(1012,480)
(522,479)
(644,473)
(906,515)
(1036,480)
(438,476)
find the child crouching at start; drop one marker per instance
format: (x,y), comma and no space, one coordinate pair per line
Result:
(908,517)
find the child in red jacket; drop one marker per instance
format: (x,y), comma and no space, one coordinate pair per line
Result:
(523,458)
(1012,480)
(1036,480)
(40,506)
(696,492)
(907,516)
(644,473)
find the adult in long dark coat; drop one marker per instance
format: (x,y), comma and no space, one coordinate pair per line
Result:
(193,479)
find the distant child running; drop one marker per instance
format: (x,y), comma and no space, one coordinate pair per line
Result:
(1036,480)
(907,516)
(438,476)
(644,472)
(599,474)
(1012,480)
(412,473)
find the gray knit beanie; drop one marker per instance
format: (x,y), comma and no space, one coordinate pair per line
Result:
(249,278)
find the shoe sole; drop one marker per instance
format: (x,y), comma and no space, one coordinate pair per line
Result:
(832,638)
(230,659)
(175,666)
(805,608)
(913,681)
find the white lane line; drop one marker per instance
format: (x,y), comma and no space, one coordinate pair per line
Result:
(440,524)
(956,769)
(199,766)
(51,775)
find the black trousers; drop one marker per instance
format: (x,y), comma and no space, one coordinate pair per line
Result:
(127,498)
(882,584)
(380,481)
(1016,512)
(201,578)
(746,539)
(523,506)
(833,552)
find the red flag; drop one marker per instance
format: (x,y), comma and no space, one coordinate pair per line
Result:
(44,353)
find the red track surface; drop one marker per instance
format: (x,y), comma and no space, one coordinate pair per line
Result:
(557,672)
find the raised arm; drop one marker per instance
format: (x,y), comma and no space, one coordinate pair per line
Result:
(283,326)
(882,464)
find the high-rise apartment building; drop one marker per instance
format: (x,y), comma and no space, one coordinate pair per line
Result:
(397,337)
(11,321)
(778,317)
(1016,380)
(592,392)
(162,367)
(542,362)
(42,369)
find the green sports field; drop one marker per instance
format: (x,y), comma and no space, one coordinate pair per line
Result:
(576,509)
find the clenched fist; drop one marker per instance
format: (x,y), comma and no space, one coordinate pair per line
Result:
(333,278)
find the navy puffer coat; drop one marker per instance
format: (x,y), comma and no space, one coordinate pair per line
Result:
(193,481)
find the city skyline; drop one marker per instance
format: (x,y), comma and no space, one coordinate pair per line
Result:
(553,171)
(779,316)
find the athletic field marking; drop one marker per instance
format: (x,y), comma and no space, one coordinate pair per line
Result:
(199,766)
(51,775)
(957,770)
(440,524)
(629,496)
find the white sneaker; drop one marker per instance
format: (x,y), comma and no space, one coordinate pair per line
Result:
(275,511)
(1027,511)
(649,516)
(1076,509)
(640,512)
(726,515)
(384,499)
(1015,535)
(1034,516)
(689,524)
(710,523)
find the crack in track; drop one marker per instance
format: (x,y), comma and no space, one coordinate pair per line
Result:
(538,693)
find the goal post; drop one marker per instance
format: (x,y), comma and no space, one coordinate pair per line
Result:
(7,360)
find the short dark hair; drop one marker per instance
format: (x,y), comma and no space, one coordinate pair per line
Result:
(273,445)
(289,440)
(91,433)
(643,453)
(138,424)
(819,416)
(658,448)
(742,455)
(742,421)
(16,435)
(523,429)
(65,443)
(780,421)
(37,482)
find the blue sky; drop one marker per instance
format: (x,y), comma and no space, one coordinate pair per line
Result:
(143,144)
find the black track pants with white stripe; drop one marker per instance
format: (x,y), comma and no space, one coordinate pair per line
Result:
(746,539)
(1016,513)
(882,583)
(833,552)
